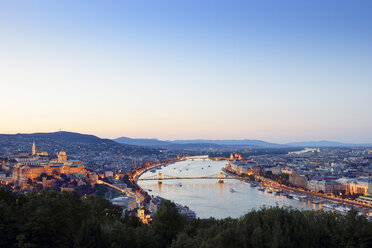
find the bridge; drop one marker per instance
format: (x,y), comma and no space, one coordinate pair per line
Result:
(205,158)
(221,176)
(111,186)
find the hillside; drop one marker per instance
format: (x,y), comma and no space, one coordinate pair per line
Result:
(91,149)
(61,136)
(230,143)
(326,143)
(197,144)
(142,142)
(56,220)
(235,142)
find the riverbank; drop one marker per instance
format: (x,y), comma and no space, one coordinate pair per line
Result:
(331,203)
(198,188)
(137,172)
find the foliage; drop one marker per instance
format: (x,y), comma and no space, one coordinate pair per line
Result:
(277,227)
(167,223)
(50,219)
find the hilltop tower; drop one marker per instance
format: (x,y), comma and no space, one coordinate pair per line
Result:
(33,148)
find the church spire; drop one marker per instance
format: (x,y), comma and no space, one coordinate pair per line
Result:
(33,148)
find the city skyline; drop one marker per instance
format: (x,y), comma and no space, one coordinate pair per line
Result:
(281,72)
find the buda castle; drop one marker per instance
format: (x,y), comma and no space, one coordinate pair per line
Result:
(35,166)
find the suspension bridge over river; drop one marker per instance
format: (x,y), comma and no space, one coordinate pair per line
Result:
(221,176)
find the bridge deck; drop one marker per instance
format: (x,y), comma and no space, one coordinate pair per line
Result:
(111,186)
(175,178)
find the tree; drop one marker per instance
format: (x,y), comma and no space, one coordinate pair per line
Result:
(102,208)
(167,223)
(91,235)
(252,178)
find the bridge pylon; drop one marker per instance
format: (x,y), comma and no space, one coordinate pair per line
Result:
(220,177)
(160,177)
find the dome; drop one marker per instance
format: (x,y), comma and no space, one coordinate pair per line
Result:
(62,153)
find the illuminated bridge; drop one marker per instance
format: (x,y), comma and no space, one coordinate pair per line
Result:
(112,186)
(206,158)
(221,176)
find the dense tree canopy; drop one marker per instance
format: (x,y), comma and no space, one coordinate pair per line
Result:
(50,219)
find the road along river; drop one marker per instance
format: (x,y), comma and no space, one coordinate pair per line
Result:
(207,197)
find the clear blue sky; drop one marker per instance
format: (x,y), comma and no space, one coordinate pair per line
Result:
(275,70)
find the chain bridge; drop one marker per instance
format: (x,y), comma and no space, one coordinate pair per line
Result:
(221,176)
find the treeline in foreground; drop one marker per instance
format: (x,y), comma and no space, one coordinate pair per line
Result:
(56,220)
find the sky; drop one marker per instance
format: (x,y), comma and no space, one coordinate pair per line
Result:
(275,70)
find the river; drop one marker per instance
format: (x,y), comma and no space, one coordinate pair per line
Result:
(207,197)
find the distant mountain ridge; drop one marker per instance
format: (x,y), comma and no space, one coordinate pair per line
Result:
(242,142)
(196,143)
(71,137)
(142,142)
(85,146)
(60,136)
(326,143)
(239,143)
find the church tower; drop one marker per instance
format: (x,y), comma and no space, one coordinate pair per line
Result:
(33,148)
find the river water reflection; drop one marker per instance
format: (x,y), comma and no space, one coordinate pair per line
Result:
(207,197)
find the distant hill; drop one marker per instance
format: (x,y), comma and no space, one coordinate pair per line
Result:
(165,144)
(81,145)
(199,143)
(326,143)
(232,143)
(142,142)
(61,136)
(242,142)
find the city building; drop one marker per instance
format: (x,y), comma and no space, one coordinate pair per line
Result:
(298,180)
(325,186)
(126,203)
(242,167)
(31,169)
(357,187)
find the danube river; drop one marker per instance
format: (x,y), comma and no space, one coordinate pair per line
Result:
(207,197)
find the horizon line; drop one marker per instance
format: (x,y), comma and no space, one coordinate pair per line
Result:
(194,139)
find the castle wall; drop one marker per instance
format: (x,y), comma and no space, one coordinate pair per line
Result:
(26,172)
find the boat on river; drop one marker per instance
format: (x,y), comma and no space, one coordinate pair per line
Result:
(328,206)
(342,209)
(302,198)
(295,197)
